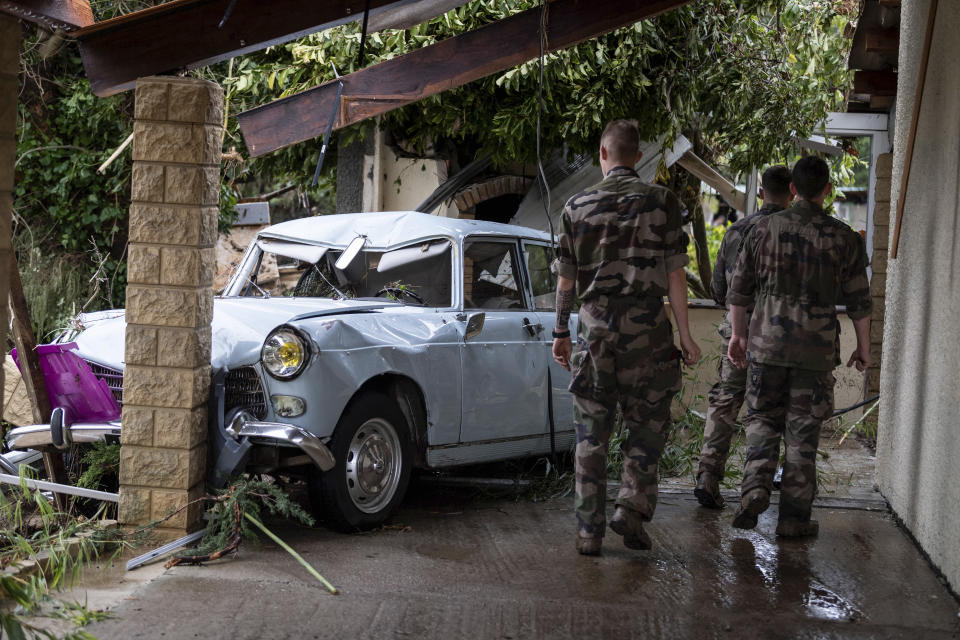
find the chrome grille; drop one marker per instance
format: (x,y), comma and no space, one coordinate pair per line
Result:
(112,377)
(242,388)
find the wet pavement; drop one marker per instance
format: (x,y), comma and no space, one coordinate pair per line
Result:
(455,565)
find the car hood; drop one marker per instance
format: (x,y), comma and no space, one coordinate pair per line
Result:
(240,326)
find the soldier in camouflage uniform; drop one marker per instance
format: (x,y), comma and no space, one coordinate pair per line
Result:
(794,267)
(726,395)
(622,247)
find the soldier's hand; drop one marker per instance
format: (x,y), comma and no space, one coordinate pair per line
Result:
(861,358)
(737,351)
(691,351)
(562,350)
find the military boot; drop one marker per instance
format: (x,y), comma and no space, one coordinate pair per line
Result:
(589,546)
(708,491)
(752,504)
(797,528)
(629,524)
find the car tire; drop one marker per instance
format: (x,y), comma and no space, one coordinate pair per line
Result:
(371,446)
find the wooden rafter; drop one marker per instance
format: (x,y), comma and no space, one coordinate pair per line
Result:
(439,67)
(65,15)
(875,83)
(882,40)
(184,34)
(726,189)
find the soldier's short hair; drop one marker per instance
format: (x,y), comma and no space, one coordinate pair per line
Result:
(622,139)
(810,176)
(776,181)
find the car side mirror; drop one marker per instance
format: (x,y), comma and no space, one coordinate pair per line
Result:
(350,253)
(474,325)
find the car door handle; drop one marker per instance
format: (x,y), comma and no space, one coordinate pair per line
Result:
(532,329)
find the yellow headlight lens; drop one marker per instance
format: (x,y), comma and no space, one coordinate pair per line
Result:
(290,354)
(284,353)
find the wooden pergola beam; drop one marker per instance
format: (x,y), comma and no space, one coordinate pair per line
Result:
(881,40)
(184,34)
(65,15)
(875,83)
(436,68)
(726,189)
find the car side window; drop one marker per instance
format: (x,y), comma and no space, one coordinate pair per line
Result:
(542,280)
(490,277)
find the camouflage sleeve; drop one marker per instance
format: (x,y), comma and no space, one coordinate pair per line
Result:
(565,264)
(744,279)
(674,239)
(718,282)
(855,287)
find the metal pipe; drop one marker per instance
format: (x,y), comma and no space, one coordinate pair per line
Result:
(55,487)
(456,481)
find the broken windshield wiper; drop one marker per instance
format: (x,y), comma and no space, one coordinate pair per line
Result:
(257,287)
(329,284)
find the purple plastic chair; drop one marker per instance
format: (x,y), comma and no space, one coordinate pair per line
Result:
(72,386)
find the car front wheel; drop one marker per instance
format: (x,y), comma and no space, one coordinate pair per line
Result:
(371,446)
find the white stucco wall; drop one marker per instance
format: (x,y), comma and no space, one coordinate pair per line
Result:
(918,448)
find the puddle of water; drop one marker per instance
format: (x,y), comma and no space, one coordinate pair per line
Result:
(824,604)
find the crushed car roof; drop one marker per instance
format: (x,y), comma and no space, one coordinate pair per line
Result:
(387,229)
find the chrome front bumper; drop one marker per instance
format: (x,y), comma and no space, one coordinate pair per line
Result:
(290,435)
(37,436)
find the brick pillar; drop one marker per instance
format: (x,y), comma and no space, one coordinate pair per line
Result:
(9,66)
(878,264)
(170,269)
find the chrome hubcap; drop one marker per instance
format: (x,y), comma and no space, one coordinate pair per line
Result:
(373,465)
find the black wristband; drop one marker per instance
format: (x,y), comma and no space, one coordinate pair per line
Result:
(561,334)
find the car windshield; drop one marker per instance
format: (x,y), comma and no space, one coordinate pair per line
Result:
(415,274)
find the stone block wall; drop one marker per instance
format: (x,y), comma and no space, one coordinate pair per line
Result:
(878,283)
(9,65)
(170,270)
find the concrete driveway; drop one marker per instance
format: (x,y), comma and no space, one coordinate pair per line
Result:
(454,565)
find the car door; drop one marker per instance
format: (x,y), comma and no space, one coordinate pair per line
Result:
(543,292)
(504,369)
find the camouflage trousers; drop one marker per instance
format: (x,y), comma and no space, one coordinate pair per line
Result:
(726,398)
(625,355)
(792,403)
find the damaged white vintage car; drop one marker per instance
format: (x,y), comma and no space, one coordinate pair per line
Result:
(353,348)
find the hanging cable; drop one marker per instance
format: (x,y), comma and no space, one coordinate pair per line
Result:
(840,412)
(333,119)
(227,13)
(363,34)
(542,185)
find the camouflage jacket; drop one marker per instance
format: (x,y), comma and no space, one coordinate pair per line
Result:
(621,238)
(730,249)
(794,268)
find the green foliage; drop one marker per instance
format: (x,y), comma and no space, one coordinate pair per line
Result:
(714,238)
(100,460)
(245,495)
(56,287)
(69,222)
(746,75)
(29,525)
(65,133)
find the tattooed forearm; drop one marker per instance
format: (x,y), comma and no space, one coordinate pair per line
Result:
(564,307)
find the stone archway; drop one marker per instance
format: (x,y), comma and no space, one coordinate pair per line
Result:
(468,199)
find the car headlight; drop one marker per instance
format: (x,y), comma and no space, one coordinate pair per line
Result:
(285,353)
